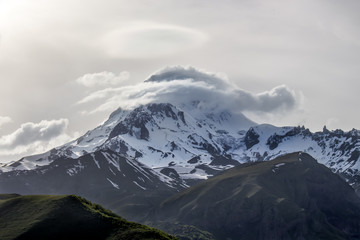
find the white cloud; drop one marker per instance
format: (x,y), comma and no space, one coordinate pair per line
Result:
(171,73)
(149,40)
(4,120)
(189,87)
(32,138)
(34,132)
(103,79)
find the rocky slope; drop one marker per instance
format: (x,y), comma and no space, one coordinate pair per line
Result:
(124,185)
(338,150)
(291,197)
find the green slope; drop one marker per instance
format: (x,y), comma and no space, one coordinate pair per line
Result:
(65,217)
(291,197)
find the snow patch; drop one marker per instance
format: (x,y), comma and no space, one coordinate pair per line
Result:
(113,184)
(96,162)
(279,165)
(143,188)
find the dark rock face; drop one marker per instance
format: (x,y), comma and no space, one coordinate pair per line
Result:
(223,161)
(118,130)
(118,146)
(182,116)
(251,138)
(291,197)
(137,119)
(143,115)
(194,160)
(275,139)
(170,173)
(201,143)
(165,108)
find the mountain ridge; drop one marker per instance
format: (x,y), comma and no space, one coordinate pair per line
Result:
(191,143)
(126,186)
(290,197)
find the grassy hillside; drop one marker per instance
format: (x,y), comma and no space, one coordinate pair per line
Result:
(184,232)
(65,217)
(291,197)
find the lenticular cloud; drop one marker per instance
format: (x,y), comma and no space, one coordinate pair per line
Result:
(188,87)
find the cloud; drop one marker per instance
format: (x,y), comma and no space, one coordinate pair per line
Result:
(4,120)
(191,88)
(181,73)
(149,40)
(103,79)
(32,138)
(29,133)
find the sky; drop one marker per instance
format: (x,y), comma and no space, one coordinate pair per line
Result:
(66,65)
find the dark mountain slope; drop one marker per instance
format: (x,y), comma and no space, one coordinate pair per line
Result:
(126,186)
(66,217)
(291,197)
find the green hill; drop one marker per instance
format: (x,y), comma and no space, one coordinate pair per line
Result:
(65,217)
(291,197)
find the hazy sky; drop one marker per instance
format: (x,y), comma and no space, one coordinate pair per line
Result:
(56,55)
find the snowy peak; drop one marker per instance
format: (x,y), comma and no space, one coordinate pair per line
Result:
(161,135)
(136,122)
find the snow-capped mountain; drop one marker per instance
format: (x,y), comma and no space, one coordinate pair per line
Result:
(337,149)
(134,159)
(158,135)
(190,127)
(143,154)
(189,144)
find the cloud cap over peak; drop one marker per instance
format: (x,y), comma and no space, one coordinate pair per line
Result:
(189,87)
(171,73)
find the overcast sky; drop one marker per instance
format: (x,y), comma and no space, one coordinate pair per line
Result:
(57,55)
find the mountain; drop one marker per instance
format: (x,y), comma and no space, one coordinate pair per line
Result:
(122,184)
(338,150)
(193,144)
(290,197)
(65,217)
(157,135)
(143,155)
(139,157)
